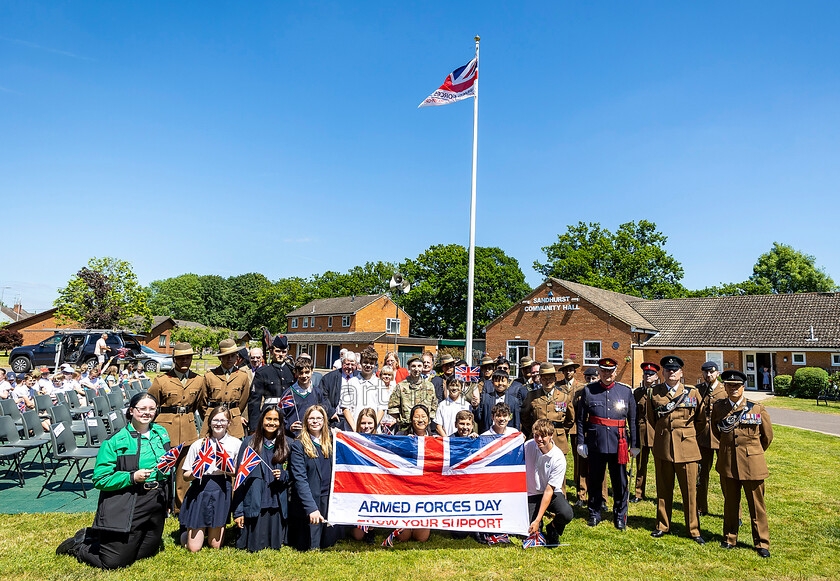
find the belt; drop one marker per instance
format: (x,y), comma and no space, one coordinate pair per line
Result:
(607,422)
(175,409)
(559,424)
(271,401)
(623,452)
(229,404)
(151,485)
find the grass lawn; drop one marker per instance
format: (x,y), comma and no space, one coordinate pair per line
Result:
(805,405)
(802,501)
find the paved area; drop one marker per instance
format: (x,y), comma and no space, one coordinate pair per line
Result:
(68,498)
(816,422)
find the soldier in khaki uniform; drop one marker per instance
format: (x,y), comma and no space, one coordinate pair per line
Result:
(552,403)
(711,390)
(229,386)
(676,413)
(641,394)
(178,392)
(411,391)
(744,431)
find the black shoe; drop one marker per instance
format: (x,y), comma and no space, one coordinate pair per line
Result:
(725,545)
(580,504)
(593,521)
(634,500)
(620,523)
(368,538)
(698,540)
(71,546)
(604,506)
(702,512)
(552,537)
(763,553)
(657,534)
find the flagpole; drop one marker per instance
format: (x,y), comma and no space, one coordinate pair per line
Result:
(468,355)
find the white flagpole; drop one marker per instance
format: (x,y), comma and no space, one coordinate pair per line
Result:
(471,276)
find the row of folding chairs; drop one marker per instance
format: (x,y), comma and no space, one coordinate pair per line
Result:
(17,440)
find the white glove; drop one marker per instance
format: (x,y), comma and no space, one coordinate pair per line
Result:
(583,450)
(635,451)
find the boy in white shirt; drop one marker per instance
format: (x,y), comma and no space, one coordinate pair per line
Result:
(365,391)
(449,408)
(545,472)
(25,392)
(5,386)
(501,416)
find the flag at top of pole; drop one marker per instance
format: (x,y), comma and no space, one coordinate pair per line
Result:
(461,84)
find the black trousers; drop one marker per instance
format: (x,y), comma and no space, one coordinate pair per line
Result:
(110,550)
(563,513)
(305,536)
(598,464)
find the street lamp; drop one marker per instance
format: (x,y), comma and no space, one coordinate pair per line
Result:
(2,294)
(398,282)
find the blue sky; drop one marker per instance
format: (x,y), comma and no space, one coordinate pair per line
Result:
(284,137)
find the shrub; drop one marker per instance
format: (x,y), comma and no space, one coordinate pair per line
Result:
(808,382)
(781,384)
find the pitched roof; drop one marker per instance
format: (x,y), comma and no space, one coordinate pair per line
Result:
(744,321)
(352,337)
(335,306)
(12,315)
(612,302)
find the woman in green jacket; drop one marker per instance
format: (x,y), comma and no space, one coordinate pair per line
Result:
(132,501)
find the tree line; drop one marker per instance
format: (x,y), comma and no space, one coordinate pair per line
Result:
(632,260)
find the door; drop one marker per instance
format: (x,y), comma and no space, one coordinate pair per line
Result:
(750,370)
(333,353)
(764,371)
(517,349)
(406,353)
(44,352)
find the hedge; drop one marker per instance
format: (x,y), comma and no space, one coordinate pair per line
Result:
(808,382)
(781,384)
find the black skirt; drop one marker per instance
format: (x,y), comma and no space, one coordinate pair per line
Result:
(266,531)
(207,503)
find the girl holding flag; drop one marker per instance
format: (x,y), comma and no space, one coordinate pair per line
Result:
(209,465)
(260,488)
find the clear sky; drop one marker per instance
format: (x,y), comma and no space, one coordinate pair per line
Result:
(284,137)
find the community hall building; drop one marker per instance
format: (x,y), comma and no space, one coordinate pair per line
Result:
(323,327)
(562,319)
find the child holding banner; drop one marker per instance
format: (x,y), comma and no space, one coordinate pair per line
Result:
(260,503)
(545,471)
(366,424)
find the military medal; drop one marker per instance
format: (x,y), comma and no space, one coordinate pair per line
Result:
(559,406)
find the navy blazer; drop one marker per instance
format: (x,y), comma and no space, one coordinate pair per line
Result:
(484,416)
(296,412)
(331,386)
(615,403)
(306,481)
(247,500)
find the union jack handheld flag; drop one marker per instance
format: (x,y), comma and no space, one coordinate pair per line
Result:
(496,539)
(288,401)
(535,540)
(390,539)
(21,405)
(467,373)
(249,461)
(167,461)
(205,459)
(225,461)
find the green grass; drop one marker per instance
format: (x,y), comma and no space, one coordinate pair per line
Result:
(805,405)
(802,501)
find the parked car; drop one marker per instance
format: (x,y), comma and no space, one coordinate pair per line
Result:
(77,347)
(156,361)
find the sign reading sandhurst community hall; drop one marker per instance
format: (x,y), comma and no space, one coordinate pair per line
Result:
(457,484)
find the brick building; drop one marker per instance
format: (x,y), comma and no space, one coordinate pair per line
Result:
(778,332)
(325,326)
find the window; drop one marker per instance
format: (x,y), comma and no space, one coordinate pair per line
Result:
(835,359)
(162,341)
(305,322)
(516,350)
(392,326)
(716,356)
(798,358)
(294,323)
(329,321)
(312,322)
(345,321)
(591,352)
(555,352)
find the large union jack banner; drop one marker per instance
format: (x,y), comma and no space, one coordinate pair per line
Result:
(459,484)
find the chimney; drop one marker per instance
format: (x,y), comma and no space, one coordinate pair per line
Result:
(17,308)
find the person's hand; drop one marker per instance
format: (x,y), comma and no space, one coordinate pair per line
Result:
(240,521)
(534,528)
(315,517)
(244,421)
(296,426)
(141,475)
(277,473)
(473,435)
(635,451)
(583,450)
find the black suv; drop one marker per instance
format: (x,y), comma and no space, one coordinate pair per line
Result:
(76,348)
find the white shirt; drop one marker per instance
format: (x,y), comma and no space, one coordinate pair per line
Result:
(542,470)
(44,385)
(5,389)
(359,393)
(446,412)
(100,347)
(21,391)
(492,432)
(229,443)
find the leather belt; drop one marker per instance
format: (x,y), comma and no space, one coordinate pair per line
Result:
(175,409)
(229,404)
(559,424)
(153,485)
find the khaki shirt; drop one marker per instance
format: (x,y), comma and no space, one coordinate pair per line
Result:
(407,395)
(641,395)
(741,453)
(675,434)
(557,408)
(169,392)
(233,392)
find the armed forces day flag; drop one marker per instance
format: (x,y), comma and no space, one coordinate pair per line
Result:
(457,484)
(460,84)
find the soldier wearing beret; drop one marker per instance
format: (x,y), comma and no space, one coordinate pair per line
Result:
(641,395)
(677,415)
(179,392)
(270,381)
(607,435)
(226,385)
(744,431)
(412,391)
(711,390)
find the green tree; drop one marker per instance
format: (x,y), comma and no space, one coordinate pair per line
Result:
(370,279)
(104,294)
(786,270)
(437,301)
(280,298)
(200,338)
(632,260)
(179,297)
(245,290)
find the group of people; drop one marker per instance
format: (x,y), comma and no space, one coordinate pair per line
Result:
(279,419)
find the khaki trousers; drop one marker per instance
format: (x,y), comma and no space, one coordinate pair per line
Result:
(641,471)
(686,474)
(706,462)
(754,491)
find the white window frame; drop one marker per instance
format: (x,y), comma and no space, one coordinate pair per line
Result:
(345,321)
(294,323)
(329,321)
(554,360)
(717,357)
(590,360)
(305,323)
(392,326)
(793,357)
(835,359)
(162,341)
(311,322)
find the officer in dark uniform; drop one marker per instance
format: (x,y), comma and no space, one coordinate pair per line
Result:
(270,381)
(641,394)
(606,420)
